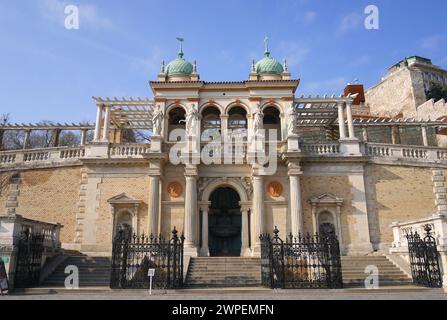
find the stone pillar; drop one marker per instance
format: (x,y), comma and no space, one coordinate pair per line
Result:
(395,134)
(154,194)
(245,241)
(295,205)
(106,129)
(55,138)
(223,125)
(26,139)
(83,137)
(2,134)
(190,210)
(204,249)
(258,213)
(424,135)
(350,121)
(360,242)
(97,136)
(341,121)
(365,134)
(440,191)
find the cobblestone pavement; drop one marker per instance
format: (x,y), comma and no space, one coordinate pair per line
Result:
(232,294)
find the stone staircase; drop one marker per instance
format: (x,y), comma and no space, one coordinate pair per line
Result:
(93,271)
(223,272)
(353,269)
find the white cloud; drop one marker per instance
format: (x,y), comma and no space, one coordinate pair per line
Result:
(310,16)
(350,22)
(294,52)
(88,14)
(149,65)
(431,43)
(360,61)
(331,86)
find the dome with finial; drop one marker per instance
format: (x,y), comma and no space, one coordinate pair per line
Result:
(268,65)
(179,67)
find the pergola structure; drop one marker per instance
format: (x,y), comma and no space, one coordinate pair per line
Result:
(136,114)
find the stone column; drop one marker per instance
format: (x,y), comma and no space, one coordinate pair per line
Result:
(55,137)
(341,121)
(106,129)
(26,139)
(350,121)
(97,136)
(223,125)
(204,250)
(295,206)
(154,194)
(83,137)
(2,134)
(365,134)
(190,210)
(424,135)
(258,213)
(395,134)
(245,243)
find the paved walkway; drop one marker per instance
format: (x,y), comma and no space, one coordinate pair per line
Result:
(393,293)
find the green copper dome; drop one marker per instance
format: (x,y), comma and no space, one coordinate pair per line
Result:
(269,65)
(179,67)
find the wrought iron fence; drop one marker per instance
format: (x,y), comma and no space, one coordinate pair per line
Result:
(300,262)
(424,259)
(29,260)
(133,256)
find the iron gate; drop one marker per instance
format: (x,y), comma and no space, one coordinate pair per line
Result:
(424,259)
(133,256)
(29,260)
(300,262)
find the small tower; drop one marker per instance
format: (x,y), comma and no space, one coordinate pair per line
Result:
(268,68)
(179,69)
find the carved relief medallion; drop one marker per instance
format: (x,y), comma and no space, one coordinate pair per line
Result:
(175,189)
(275,189)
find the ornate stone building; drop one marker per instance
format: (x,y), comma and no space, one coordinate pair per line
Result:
(323,173)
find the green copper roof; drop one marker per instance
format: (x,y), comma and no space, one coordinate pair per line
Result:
(179,66)
(269,65)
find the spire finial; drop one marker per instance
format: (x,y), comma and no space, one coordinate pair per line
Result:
(266,46)
(195,66)
(162,68)
(285,65)
(180,52)
(253,66)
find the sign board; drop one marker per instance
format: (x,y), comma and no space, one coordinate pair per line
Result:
(151,272)
(5,259)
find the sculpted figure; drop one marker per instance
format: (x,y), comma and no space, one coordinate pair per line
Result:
(157,120)
(258,120)
(192,120)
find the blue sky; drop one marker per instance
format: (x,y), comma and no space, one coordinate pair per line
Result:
(50,73)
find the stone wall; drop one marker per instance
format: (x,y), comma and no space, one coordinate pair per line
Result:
(432,110)
(399,92)
(51,195)
(134,186)
(4,187)
(397,193)
(339,186)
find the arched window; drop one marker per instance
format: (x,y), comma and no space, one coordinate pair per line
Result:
(326,224)
(272,121)
(237,122)
(210,123)
(176,120)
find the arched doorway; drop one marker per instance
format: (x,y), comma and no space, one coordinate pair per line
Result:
(225,223)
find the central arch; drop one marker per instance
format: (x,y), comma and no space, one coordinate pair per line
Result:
(225,208)
(225,223)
